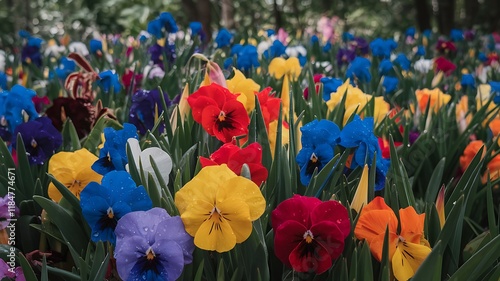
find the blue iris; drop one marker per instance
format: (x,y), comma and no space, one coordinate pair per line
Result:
(318,141)
(495,89)
(66,67)
(12,105)
(314,39)
(330,85)
(3,81)
(196,28)
(385,67)
(95,46)
(246,56)
(390,84)
(223,38)
(277,49)
(360,69)
(468,81)
(420,51)
(456,35)
(383,48)
(113,156)
(165,21)
(109,80)
(358,134)
(403,61)
(410,32)
(346,36)
(104,204)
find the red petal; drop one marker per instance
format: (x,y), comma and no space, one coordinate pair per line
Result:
(207,162)
(296,208)
(302,260)
(329,235)
(224,153)
(286,238)
(258,173)
(198,103)
(334,212)
(250,154)
(209,116)
(216,92)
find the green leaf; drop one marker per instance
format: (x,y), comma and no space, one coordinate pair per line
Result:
(71,141)
(45,274)
(480,262)
(220,271)
(435,182)
(399,177)
(29,274)
(67,194)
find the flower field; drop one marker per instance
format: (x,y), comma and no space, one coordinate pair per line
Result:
(277,156)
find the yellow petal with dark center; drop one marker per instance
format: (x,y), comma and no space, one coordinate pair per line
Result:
(237,214)
(215,234)
(194,216)
(407,258)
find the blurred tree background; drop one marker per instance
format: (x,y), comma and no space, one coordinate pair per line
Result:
(80,18)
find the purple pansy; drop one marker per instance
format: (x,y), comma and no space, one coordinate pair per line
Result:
(142,110)
(152,245)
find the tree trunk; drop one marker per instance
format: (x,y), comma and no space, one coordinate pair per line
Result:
(494,15)
(471,9)
(277,15)
(423,15)
(228,14)
(205,17)
(189,7)
(446,16)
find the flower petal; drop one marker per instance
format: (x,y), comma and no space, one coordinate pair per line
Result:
(304,259)
(212,236)
(237,213)
(296,208)
(407,258)
(245,190)
(412,224)
(332,211)
(330,236)
(286,238)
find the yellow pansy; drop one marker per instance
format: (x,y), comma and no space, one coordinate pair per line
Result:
(245,87)
(355,99)
(381,109)
(289,70)
(73,170)
(218,207)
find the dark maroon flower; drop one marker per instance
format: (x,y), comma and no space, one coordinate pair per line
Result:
(75,109)
(445,46)
(444,65)
(40,103)
(127,78)
(41,139)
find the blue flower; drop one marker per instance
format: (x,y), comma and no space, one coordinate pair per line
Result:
(390,84)
(330,85)
(427,33)
(318,141)
(345,56)
(410,32)
(223,38)
(3,81)
(270,32)
(152,245)
(358,134)
(495,89)
(482,57)
(327,47)
(228,63)
(346,36)
(142,110)
(468,81)
(164,21)
(104,204)
(456,35)
(360,69)
(157,53)
(403,61)
(314,39)
(113,156)
(197,29)
(109,81)
(420,51)
(66,67)
(382,48)
(95,46)
(276,50)
(168,22)
(12,105)
(24,34)
(41,139)
(246,56)
(385,67)
(31,51)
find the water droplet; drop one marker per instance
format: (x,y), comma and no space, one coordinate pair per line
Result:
(146,229)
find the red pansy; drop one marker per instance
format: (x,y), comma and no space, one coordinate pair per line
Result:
(269,105)
(218,111)
(235,157)
(444,65)
(308,233)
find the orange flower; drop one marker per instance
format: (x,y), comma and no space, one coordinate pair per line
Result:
(469,152)
(435,98)
(493,168)
(406,250)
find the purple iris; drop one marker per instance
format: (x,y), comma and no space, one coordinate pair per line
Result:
(113,156)
(41,139)
(104,204)
(360,45)
(31,51)
(142,110)
(345,56)
(152,245)
(158,53)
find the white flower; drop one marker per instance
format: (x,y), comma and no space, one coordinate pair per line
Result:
(154,71)
(2,61)
(296,51)
(79,48)
(423,66)
(143,158)
(263,47)
(54,50)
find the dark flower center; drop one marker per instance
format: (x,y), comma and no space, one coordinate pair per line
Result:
(224,121)
(148,262)
(313,164)
(109,220)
